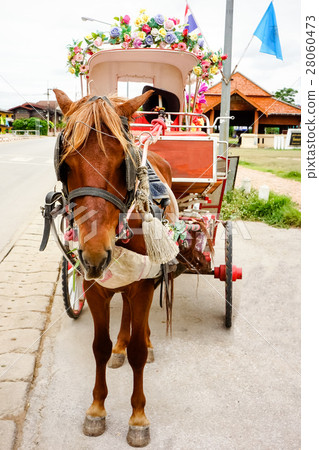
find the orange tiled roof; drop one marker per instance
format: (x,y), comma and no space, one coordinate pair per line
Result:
(252,93)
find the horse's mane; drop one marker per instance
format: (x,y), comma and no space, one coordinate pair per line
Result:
(98,114)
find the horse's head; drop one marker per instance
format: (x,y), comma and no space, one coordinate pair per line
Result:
(95,147)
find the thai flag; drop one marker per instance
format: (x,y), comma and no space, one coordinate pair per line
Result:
(190,22)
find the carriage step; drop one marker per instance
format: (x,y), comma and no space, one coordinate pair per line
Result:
(220,272)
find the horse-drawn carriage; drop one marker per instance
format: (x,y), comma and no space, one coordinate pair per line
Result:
(96,219)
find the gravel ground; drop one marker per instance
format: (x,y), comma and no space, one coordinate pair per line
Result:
(279,185)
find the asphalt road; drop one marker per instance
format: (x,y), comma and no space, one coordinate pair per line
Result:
(26,174)
(209,387)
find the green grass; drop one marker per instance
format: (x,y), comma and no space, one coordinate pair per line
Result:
(279,211)
(282,163)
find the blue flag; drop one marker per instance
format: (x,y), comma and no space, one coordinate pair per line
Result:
(267,32)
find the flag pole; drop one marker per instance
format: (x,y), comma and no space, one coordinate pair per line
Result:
(226,82)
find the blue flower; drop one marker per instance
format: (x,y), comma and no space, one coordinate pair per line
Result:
(201,42)
(149,40)
(115,32)
(159,19)
(170,38)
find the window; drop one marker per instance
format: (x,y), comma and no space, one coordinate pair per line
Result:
(130,89)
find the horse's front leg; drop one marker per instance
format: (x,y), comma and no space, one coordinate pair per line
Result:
(99,302)
(140,299)
(119,350)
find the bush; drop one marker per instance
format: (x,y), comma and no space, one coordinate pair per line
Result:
(279,211)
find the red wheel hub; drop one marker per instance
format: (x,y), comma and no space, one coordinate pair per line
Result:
(220,272)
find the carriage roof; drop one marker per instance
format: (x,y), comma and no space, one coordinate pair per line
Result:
(165,69)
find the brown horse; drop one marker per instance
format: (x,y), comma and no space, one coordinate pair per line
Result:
(94,154)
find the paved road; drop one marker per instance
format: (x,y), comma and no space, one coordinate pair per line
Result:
(209,388)
(27,174)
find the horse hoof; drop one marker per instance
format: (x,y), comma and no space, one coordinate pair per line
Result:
(138,436)
(116,360)
(150,355)
(94,426)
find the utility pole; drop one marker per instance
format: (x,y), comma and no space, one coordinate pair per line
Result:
(48,114)
(225,98)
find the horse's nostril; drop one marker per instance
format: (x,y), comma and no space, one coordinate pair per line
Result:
(106,261)
(95,264)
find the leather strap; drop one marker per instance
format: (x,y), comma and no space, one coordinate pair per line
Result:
(96,192)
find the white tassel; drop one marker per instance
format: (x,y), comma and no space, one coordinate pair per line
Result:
(160,246)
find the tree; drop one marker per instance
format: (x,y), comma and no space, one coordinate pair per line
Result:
(286,94)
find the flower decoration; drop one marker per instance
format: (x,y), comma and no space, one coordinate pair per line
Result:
(158,31)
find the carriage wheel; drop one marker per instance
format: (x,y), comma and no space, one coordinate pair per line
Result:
(72,289)
(229,273)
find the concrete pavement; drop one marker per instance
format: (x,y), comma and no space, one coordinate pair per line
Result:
(27,286)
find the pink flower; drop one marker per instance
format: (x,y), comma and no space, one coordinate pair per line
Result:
(127,38)
(98,42)
(78,57)
(200,54)
(73,62)
(137,43)
(146,28)
(182,46)
(84,68)
(205,64)
(173,19)
(126,19)
(169,24)
(125,45)
(77,49)
(162,44)
(220,65)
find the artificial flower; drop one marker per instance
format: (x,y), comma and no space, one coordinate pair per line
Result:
(84,68)
(78,57)
(126,19)
(201,42)
(197,71)
(146,28)
(89,37)
(220,65)
(141,35)
(71,70)
(185,32)
(137,43)
(77,49)
(162,32)
(170,38)
(145,18)
(213,70)
(142,11)
(98,42)
(154,32)
(182,46)
(169,25)
(223,57)
(206,63)
(138,21)
(149,40)
(127,38)
(115,32)
(215,58)
(159,19)
(193,37)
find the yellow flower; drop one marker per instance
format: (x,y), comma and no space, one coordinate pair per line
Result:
(141,35)
(213,70)
(71,70)
(89,37)
(142,11)
(138,21)
(69,56)
(197,71)
(215,58)
(145,18)
(193,37)
(162,32)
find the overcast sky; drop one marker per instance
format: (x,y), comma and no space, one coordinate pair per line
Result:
(34,35)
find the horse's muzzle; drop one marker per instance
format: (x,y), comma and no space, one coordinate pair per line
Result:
(95,265)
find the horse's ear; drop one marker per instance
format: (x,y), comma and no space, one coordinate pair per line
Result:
(128,108)
(63,100)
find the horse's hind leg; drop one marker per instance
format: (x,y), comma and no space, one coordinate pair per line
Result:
(99,302)
(119,350)
(140,298)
